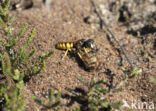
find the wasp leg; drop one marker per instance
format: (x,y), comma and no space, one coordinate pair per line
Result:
(86,51)
(80,55)
(66,53)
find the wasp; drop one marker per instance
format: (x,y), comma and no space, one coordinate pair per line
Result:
(85,49)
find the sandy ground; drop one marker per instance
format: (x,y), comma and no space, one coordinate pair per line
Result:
(65,22)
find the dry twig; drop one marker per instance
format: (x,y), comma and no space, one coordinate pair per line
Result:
(102,23)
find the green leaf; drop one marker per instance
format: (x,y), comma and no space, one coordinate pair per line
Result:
(76,109)
(7,5)
(104,91)
(136,72)
(6,18)
(11,21)
(117,105)
(1,22)
(21,31)
(6,65)
(45,56)
(20,84)
(1,10)
(97,83)
(27,43)
(37,100)
(9,31)
(19,56)
(41,68)
(58,96)
(16,75)
(27,57)
(51,98)
(105,105)
(6,97)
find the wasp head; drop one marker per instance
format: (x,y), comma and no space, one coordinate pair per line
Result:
(90,44)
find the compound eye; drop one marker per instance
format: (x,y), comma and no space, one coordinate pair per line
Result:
(90,43)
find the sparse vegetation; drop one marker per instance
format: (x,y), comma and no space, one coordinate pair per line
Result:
(52,104)
(132,72)
(13,63)
(95,98)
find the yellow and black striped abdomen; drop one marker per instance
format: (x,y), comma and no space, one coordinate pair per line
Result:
(65,45)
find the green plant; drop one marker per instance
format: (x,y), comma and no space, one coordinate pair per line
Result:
(52,104)
(11,91)
(13,63)
(95,98)
(131,73)
(75,109)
